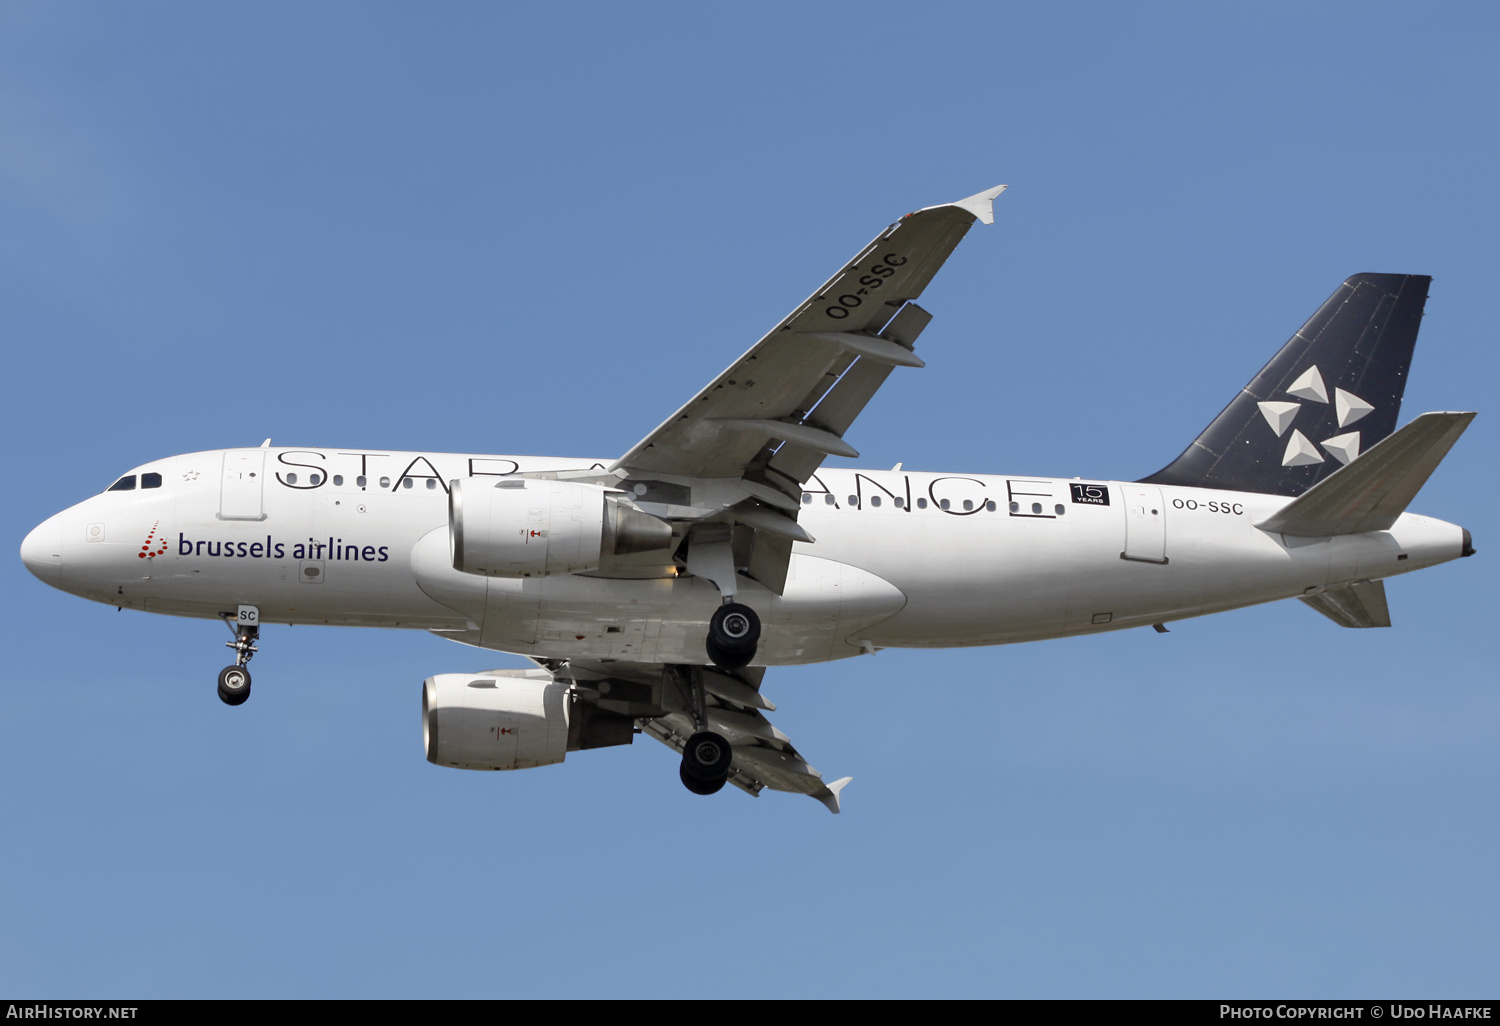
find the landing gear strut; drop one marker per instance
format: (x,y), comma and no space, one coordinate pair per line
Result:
(234,681)
(734,629)
(733,633)
(707,756)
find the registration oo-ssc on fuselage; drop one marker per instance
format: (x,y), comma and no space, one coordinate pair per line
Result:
(653,591)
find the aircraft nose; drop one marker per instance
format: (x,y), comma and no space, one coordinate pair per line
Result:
(42,551)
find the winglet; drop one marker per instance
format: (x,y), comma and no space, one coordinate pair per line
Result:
(831,799)
(981,204)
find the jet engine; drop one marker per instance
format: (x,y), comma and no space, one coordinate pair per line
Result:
(520,527)
(492,722)
(511,719)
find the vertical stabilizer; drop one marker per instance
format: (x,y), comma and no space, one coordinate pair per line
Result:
(1333,391)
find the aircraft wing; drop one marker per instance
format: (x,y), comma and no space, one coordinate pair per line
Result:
(663,700)
(777,411)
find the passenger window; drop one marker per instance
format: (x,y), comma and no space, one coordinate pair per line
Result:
(385,482)
(360,480)
(125,484)
(432,484)
(921,504)
(990,505)
(338,479)
(1015,507)
(406,482)
(1060,509)
(828,499)
(943,504)
(316,478)
(807,498)
(968,505)
(898,502)
(150,480)
(853,500)
(1036,507)
(874,500)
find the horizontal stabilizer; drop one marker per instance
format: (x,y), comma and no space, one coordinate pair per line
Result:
(1360,604)
(1372,491)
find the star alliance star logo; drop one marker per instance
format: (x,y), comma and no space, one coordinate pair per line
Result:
(1347,406)
(191,475)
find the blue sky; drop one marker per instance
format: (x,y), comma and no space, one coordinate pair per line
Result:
(487,227)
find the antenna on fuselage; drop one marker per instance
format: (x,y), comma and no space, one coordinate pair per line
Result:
(266,444)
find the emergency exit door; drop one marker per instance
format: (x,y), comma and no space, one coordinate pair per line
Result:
(1145,525)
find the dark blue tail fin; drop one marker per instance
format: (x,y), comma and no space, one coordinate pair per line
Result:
(1332,392)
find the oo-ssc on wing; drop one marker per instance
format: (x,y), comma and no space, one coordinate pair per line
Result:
(660,699)
(784,405)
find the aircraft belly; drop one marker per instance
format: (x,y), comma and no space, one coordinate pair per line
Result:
(969,580)
(824,609)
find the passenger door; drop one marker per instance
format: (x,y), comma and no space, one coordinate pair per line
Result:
(240,495)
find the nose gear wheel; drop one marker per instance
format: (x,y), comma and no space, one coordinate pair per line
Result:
(234,681)
(234,685)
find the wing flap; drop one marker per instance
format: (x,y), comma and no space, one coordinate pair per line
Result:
(763,756)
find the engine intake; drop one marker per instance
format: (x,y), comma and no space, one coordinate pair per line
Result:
(520,527)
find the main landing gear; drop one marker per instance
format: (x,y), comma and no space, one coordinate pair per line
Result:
(234,681)
(705,762)
(707,756)
(734,629)
(733,633)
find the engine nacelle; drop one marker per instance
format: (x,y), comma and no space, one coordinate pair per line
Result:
(499,720)
(519,527)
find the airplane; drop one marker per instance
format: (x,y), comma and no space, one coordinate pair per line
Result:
(652,592)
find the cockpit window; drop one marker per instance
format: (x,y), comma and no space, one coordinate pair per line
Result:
(125,484)
(150,480)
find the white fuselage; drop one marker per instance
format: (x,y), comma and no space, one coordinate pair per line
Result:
(901,559)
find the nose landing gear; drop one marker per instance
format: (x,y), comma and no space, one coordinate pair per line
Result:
(234,685)
(234,681)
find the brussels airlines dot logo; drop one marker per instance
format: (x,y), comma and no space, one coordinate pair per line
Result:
(152,540)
